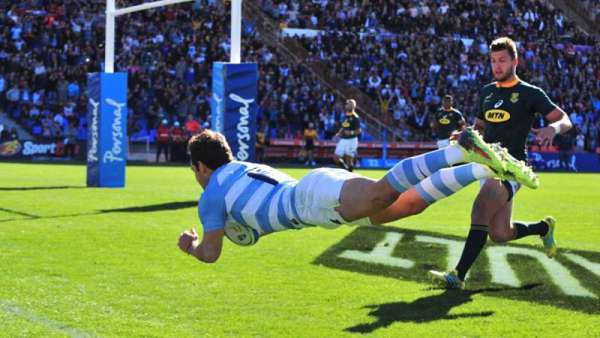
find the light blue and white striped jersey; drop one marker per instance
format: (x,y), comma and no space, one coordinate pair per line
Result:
(251,196)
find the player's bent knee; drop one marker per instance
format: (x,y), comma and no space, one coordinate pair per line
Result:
(420,208)
(500,236)
(416,207)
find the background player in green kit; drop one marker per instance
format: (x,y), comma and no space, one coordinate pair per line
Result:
(507,110)
(447,120)
(347,147)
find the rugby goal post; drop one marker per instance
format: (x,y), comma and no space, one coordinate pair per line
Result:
(112,13)
(107,105)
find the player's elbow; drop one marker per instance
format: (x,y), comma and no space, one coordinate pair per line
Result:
(208,254)
(210,258)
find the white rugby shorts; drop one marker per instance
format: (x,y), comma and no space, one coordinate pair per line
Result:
(347,146)
(318,194)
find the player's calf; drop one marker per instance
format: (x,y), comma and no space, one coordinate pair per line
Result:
(501,235)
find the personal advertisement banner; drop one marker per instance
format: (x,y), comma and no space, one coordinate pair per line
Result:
(107,126)
(234,106)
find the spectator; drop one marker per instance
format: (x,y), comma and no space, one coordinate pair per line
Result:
(178,139)
(564,143)
(192,126)
(70,139)
(580,142)
(163,140)
(4,134)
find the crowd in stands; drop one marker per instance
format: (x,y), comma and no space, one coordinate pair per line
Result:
(48,47)
(405,54)
(533,19)
(593,9)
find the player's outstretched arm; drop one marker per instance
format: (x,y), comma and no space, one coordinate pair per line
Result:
(208,250)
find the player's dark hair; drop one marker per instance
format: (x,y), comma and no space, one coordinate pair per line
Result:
(448,97)
(210,148)
(504,43)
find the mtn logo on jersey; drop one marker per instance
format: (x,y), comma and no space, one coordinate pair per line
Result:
(444,121)
(346,124)
(497,115)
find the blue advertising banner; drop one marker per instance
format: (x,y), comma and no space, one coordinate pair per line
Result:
(107,125)
(234,106)
(574,162)
(379,163)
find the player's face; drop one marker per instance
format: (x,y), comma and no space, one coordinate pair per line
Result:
(503,65)
(199,174)
(447,104)
(349,106)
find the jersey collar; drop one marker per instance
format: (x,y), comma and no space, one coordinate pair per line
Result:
(508,84)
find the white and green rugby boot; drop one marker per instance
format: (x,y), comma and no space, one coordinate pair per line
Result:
(477,150)
(549,243)
(448,279)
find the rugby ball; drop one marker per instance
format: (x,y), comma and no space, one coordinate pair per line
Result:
(241,235)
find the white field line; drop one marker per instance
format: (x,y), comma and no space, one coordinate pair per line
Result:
(32,317)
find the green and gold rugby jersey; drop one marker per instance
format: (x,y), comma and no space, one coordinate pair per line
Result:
(447,121)
(351,122)
(508,112)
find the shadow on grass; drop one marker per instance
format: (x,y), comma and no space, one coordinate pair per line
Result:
(427,309)
(155,207)
(144,208)
(59,187)
(19,213)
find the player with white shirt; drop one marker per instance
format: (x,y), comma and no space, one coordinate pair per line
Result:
(245,201)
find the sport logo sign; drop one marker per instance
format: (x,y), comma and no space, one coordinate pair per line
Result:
(570,280)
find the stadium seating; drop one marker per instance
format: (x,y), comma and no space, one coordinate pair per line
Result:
(400,54)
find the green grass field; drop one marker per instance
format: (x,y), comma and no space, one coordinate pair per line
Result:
(104,262)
